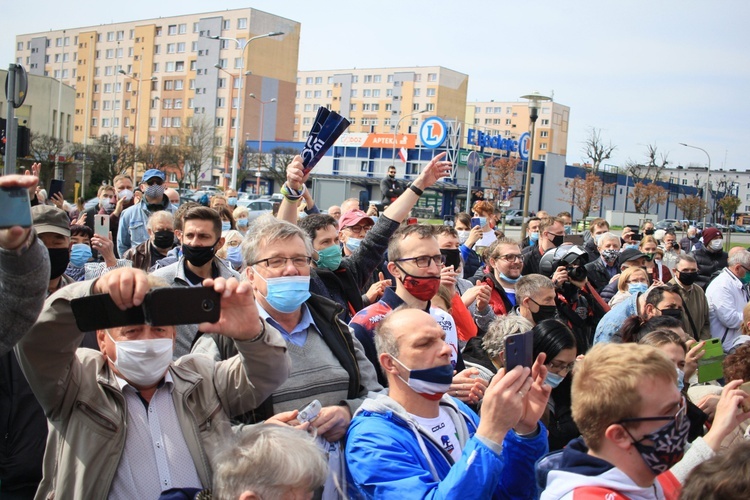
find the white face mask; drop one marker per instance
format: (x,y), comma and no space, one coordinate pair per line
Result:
(716,244)
(463,236)
(143,362)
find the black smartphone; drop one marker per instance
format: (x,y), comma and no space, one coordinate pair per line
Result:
(519,350)
(55,186)
(636,237)
(14,207)
(99,312)
(182,306)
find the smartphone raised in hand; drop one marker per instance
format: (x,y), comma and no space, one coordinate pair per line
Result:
(519,350)
(15,209)
(101,225)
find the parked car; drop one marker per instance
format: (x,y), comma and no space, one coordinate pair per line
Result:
(668,224)
(737,229)
(256,208)
(514,217)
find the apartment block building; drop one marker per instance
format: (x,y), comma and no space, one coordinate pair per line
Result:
(148,80)
(380,100)
(511,119)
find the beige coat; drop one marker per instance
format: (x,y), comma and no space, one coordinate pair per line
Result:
(87,413)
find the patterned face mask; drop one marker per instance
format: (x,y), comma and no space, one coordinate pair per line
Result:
(667,443)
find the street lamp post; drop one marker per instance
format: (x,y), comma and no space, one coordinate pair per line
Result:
(708,179)
(137,109)
(535,101)
(237,118)
(260,139)
(239,103)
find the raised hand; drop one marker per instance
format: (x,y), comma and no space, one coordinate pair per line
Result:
(239,315)
(434,171)
(535,401)
(295,176)
(13,237)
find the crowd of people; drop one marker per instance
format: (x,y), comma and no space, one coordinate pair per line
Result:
(358,354)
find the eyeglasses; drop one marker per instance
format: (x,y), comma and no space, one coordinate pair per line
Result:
(280,262)
(234,243)
(154,180)
(558,367)
(425,260)
(359,229)
(511,257)
(677,417)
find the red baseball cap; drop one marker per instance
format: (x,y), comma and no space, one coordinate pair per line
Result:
(352,218)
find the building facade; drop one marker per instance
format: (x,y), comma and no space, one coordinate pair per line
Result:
(511,119)
(150,80)
(380,100)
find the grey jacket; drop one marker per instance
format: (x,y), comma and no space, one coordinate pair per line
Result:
(87,412)
(23,287)
(174,274)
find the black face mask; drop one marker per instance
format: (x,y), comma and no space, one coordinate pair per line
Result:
(648,232)
(674,313)
(198,256)
(164,239)
(687,279)
(558,239)
(58,260)
(452,257)
(544,312)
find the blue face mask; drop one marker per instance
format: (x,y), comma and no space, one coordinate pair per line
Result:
(286,293)
(234,256)
(353,244)
(430,383)
(680,379)
(80,253)
(634,288)
(508,280)
(630,245)
(534,237)
(232,201)
(553,379)
(242,222)
(568,229)
(226,225)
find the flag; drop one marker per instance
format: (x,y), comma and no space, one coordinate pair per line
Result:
(402,153)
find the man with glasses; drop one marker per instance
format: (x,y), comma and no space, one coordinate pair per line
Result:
(415,263)
(133,222)
(727,295)
(200,238)
(632,445)
(328,363)
(695,319)
(551,235)
(505,264)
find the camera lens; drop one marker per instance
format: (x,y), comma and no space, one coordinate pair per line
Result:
(207,305)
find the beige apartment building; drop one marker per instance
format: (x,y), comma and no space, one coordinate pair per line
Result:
(380,100)
(511,119)
(148,80)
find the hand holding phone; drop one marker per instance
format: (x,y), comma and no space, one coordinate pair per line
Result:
(309,412)
(478,221)
(101,225)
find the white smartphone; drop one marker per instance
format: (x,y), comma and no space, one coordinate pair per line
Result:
(101,226)
(309,412)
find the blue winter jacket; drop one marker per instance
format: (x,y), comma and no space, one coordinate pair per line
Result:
(388,456)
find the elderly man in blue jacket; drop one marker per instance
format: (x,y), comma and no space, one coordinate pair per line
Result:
(415,439)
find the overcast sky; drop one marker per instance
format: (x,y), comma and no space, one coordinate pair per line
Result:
(644,72)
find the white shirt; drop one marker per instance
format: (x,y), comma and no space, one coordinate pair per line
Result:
(726,298)
(443,430)
(486,240)
(156,456)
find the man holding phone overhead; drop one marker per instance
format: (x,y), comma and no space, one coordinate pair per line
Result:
(417,438)
(128,422)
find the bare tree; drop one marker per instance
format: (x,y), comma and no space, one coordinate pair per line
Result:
(729,205)
(651,170)
(44,149)
(196,148)
(110,156)
(692,207)
(595,151)
(585,194)
(644,195)
(502,175)
(280,158)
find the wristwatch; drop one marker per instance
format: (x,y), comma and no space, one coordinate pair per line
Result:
(416,190)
